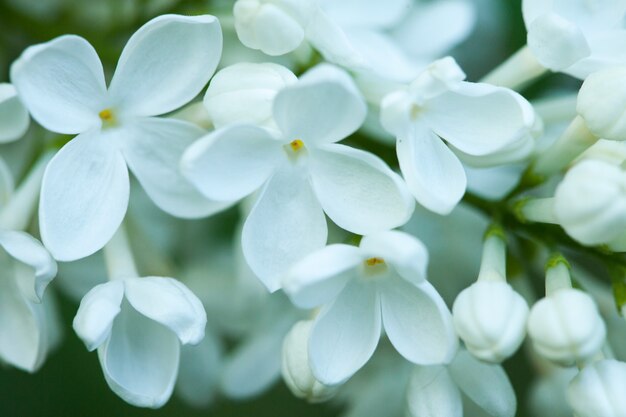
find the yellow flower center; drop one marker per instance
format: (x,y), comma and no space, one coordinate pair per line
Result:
(374,261)
(108,117)
(296,145)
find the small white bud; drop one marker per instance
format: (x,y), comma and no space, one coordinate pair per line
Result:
(598,390)
(566,327)
(295,365)
(601,103)
(490,317)
(590,202)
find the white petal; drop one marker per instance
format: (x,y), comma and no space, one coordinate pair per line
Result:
(96,313)
(244,93)
(84,196)
(319,277)
(432,393)
(285,224)
(22,334)
(485,384)
(153,148)
(418,322)
(432,172)
(358,191)
(480,118)
(169,302)
(406,253)
(323,106)
(367,13)
(14,119)
(30,251)
(232,162)
(200,367)
(140,359)
(61,83)
(345,334)
(166,63)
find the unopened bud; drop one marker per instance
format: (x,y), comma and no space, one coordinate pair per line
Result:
(598,390)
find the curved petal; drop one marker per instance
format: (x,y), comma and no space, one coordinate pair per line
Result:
(358,191)
(30,252)
(84,196)
(323,106)
(140,359)
(432,393)
(485,384)
(345,334)
(96,313)
(170,303)
(14,119)
(418,322)
(61,83)
(432,172)
(285,224)
(406,253)
(232,162)
(153,148)
(367,13)
(166,63)
(319,277)
(480,118)
(22,334)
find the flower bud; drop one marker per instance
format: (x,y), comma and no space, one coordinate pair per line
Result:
(490,317)
(244,93)
(601,103)
(566,327)
(598,390)
(590,202)
(295,366)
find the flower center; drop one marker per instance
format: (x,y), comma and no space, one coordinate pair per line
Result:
(295,149)
(415,112)
(108,118)
(374,267)
(296,145)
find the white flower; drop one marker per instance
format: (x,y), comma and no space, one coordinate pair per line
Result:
(27,269)
(301,172)
(490,317)
(244,93)
(435,391)
(477,119)
(601,102)
(137,325)
(577,37)
(381,283)
(14,120)
(295,365)
(566,327)
(590,202)
(85,190)
(598,390)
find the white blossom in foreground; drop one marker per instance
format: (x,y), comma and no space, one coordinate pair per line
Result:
(598,390)
(85,189)
(301,173)
(244,93)
(590,202)
(435,391)
(477,119)
(577,37)
(380,284)
(295,367)
(14,119)
(490,316)
(137,325)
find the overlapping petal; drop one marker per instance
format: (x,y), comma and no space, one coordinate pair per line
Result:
(170,303)
(358,191)
(345,334)
(285,224)
(418,322)
(166,63)
(432,393)
(96,313)
(14,119)
(84,196)
(232,162)
(324,106)
(61,83)
(152,148)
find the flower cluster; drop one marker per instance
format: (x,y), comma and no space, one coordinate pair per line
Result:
(401,229)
